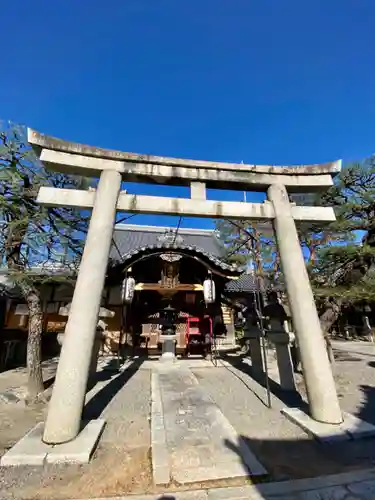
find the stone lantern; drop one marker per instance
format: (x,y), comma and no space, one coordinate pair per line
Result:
(168,333)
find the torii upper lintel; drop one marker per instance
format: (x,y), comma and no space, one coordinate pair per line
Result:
(74,158)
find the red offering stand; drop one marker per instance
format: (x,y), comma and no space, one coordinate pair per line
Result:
(196,331)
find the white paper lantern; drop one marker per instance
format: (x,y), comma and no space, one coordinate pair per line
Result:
(127,292)
(209,291)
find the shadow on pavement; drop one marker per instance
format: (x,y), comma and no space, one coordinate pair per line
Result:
(289,398)
(341,355)
(307,458)
(367,409)
(94,408)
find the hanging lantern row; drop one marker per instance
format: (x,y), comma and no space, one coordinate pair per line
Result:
(127,290)
(209,291)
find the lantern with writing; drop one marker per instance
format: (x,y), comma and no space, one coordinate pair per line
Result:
(127,292)
(209,291)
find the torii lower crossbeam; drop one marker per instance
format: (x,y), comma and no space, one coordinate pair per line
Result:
(140,204)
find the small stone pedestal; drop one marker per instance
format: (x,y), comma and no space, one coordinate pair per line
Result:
(253,335)
(168,335)
(168,347)
(281,339)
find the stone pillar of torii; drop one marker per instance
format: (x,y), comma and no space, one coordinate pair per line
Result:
(63,421)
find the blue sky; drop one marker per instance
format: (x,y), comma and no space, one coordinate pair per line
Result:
(267,81)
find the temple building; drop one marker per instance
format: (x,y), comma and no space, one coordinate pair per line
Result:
(168,269)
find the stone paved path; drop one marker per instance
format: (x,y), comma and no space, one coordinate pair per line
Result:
(201,443)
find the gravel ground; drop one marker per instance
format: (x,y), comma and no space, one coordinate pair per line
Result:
(122,461)
(355,378)
(15,417)
(354,373)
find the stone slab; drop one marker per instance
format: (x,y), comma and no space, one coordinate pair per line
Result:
(30,450)
(167,358)
(79,450)
(235,493)
(357,428)
(202,445)
(345,486)
(351,428)
(364,489)
(336,493)
(169,495)
(316,483)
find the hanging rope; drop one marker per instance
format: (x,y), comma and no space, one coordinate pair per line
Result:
(125,218)
(177,229)
(258,299)
(118,222)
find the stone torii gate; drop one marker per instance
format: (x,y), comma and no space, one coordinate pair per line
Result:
(112,167)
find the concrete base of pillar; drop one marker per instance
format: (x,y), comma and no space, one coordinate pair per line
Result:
(352,428)
(31,450)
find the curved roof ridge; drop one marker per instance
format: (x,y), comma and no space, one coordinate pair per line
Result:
(175,248)
(129,238)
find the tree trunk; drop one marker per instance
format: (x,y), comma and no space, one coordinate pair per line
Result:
(327,319)
(35,385)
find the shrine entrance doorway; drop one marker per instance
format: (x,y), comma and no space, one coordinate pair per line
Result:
(168,286)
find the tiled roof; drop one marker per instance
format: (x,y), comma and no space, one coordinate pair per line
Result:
(132,240)
(129,238)
(246,283)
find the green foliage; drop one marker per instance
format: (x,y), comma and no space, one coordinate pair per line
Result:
(246,242)
(353,197)
(35,241)
(234,241)
(340,256)
(345,264)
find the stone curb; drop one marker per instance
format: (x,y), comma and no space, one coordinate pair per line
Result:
(260,491)
(160,462)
